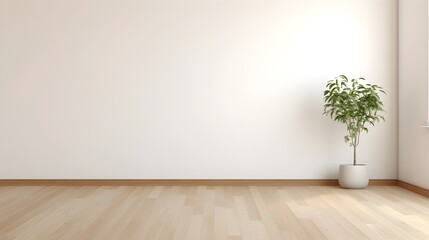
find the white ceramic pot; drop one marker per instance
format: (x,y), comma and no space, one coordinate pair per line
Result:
(353,176)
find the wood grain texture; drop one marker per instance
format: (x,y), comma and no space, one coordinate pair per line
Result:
(212,212)
(184,182)
(414,188)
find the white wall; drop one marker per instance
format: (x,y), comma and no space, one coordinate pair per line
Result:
(413,78)
(189,89)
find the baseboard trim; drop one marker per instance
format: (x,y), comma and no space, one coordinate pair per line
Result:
(413,188)
(204,182)
(184,182)
(383,182)
(168,182)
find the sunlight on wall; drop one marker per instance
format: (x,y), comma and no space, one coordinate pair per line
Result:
(188,89)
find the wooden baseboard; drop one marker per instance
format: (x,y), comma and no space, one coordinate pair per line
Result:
(413,188)
(203,182)
(383,182)
(184,182)
(168,182)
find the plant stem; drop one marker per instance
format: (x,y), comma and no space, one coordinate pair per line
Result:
(354,154)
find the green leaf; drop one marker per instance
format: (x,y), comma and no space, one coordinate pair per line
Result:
(356,105)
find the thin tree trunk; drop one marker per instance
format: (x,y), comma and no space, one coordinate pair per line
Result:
(354,154)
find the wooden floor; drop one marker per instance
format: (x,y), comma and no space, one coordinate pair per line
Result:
(211,212)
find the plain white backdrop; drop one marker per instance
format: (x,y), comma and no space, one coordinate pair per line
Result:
(190,89)
(413,80)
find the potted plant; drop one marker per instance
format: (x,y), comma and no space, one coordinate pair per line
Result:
(355,104)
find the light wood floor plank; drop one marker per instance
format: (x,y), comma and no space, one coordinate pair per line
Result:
(212,213)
